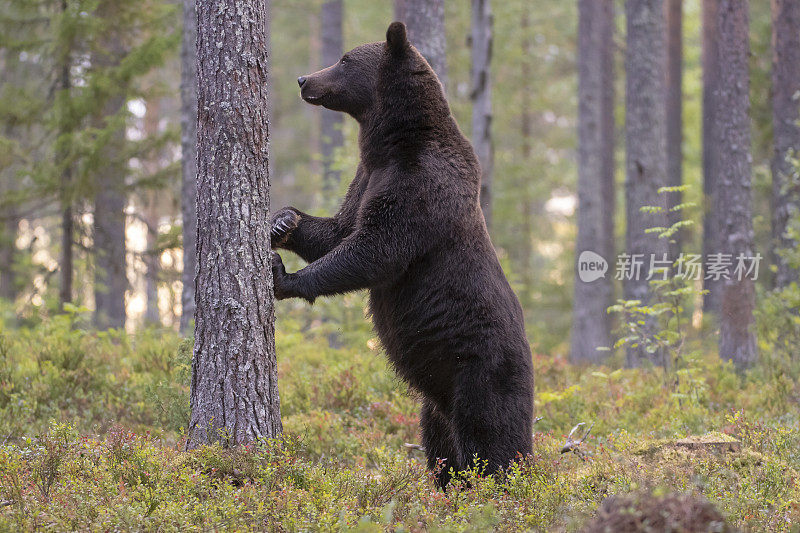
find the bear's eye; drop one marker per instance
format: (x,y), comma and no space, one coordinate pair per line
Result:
(344,60)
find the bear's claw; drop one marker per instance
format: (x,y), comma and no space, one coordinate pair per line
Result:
(283,222)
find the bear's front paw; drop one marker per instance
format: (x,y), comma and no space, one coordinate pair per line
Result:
(283,223)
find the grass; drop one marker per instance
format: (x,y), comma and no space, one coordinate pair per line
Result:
(91,439)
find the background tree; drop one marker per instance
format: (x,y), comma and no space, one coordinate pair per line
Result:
(234,390)
(674,22)
(425,22)
(645,132)
(331,122)
(591,327)
(110,200)
(710,149)
(733,202)
(786,130)
(188,161)
(481,44)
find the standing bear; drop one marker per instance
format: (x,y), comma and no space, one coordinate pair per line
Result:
(411,231)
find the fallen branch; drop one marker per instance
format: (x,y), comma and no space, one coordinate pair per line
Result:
(573,445)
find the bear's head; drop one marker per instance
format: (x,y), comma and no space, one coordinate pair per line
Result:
(352,85)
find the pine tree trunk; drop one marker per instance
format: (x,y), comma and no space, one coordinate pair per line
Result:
(188,162)
(710,149)
(234,393)
(786,132)
(646,157)
(331,121)
(733,207)
(67,221)
(425,22)
(674,18)
(481,40)
(110,199)
(591,323)
(150,212)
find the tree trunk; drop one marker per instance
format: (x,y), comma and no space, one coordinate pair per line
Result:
(786,132)
(481,41)
(526,132)
(9,224)
(737,339)
(111,280)
(331,121)
(188,162)
(234,392)
(67,221)
(646,157)
(674,20)
(710,149)
(424,20)
(150,212)
(591,323)
(110,199)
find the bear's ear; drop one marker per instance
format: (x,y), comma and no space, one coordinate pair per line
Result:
(396,37)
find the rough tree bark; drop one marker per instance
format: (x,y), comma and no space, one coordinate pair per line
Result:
(710,149)
(234,393)
(331,121)
(188,162)
(674,21)
(737,341)
(646,154)
(481,42)
(786,132)
(425,22)
(110,199)
(591,323)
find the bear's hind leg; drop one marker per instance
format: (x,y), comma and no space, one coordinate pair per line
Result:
(440,444)
(494,425)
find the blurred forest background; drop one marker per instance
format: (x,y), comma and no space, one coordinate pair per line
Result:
(91,120)
(94,314)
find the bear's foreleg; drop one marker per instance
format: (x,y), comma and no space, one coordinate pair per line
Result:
(308,236)
(364,259)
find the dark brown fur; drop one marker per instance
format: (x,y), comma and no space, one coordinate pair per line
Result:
(411,231)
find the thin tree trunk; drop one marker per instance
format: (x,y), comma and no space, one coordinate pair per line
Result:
(234,393)
(188,162)
(424,20)
(710,149)
(331,121)
(591,326)
(674,18)
(67,221)
(9,224)
(526,132)
(150,214)
(786,131)
(481,41)
(737,341)
(646,158)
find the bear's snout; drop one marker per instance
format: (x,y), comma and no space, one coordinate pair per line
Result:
(301,80)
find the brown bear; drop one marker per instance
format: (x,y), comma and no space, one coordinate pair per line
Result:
(411,231)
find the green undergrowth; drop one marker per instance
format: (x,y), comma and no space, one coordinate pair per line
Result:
(91,438)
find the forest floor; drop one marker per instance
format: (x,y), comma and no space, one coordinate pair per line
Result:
(91,439)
